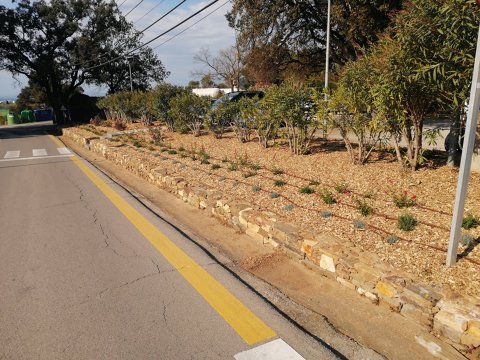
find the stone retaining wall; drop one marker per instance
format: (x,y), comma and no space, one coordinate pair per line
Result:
(452,317)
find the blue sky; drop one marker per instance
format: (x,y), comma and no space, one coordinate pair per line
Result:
(177,55)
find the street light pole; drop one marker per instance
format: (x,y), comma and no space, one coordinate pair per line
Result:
(466,161)
(327,63)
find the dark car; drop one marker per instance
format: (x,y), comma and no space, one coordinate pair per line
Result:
(235,96)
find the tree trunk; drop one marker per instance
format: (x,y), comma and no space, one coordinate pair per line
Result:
(453,137)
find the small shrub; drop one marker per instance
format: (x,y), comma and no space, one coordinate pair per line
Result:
(406,222)
(403,200)
(392,239)
(369,194)
(172,152)
(183,155)
(279,183)
(188,111)
(193,157)
(163,149)
(225,159)
(341,188)
(243,160)
(288,207)
(249,174)
(314,183)
(204,161)
(306,190)
(256,188)
(215,166)
(363,207)
(137,144)
(470,221)
(325,214)
(255,167)
(467,240)
(277,171)
(181,148)
(274,195)
(360,225)
(327,197)
(233,166)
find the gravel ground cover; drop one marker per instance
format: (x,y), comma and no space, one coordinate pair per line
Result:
(295,187)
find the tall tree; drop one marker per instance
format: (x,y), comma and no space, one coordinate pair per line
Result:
(55,43)
(299,26)
(226,66)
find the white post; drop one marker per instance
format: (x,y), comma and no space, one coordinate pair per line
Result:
(327,65)
(466,161)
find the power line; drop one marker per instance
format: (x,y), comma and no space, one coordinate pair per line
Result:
(133,8)
(123,2)
(156,37)
(189,27)
(139,33)
(149,11)
(156,21)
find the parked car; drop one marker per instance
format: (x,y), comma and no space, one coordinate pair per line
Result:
(235,96)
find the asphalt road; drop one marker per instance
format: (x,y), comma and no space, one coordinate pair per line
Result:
(85,274)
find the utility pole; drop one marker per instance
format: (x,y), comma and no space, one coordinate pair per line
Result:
(327,63)
(130,71)
(466,161)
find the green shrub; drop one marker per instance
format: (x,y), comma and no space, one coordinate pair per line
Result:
(137,144)
(341,188)
(181,148)
(279,183)
(221,117)
(406,222)
(188,111)
(204,161)
(363,207)
(327,197)
(392,239)
(160,102)
(467,240)
(470,221)
(172,152)
(277,171)
(233,166)
(403,200)
(306,190)
(359,224)
(274,195)
(156,135)
(255,167)
(215,166)
(325,214)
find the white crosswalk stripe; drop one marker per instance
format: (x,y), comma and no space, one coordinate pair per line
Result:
(39,152)
(12,154)
(64,151)
(273,350)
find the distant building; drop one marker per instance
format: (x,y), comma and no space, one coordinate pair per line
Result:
(212,92)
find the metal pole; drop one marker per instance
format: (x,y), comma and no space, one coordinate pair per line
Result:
(130,71)
(466,161)
(327,61)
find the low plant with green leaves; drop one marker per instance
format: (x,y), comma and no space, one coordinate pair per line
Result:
(359,224)
(341,188)
(392,239)
(215,166)
(470,221)
(274,195)
(279,183)
(404,200)
(363,207)
(467,240)
(326,214)
(306,190)
(233,166)
(407,222)
(327,197)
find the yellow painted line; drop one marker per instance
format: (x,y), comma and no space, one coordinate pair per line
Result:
(251,328)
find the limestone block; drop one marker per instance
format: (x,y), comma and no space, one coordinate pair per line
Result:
(472,337)
(327,263)
(243,216)
(420,295)
(414,312)
(345,283)
(286,233)
(308,247)
(450,325)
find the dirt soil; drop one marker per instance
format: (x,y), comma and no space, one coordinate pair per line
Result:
(420,252)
